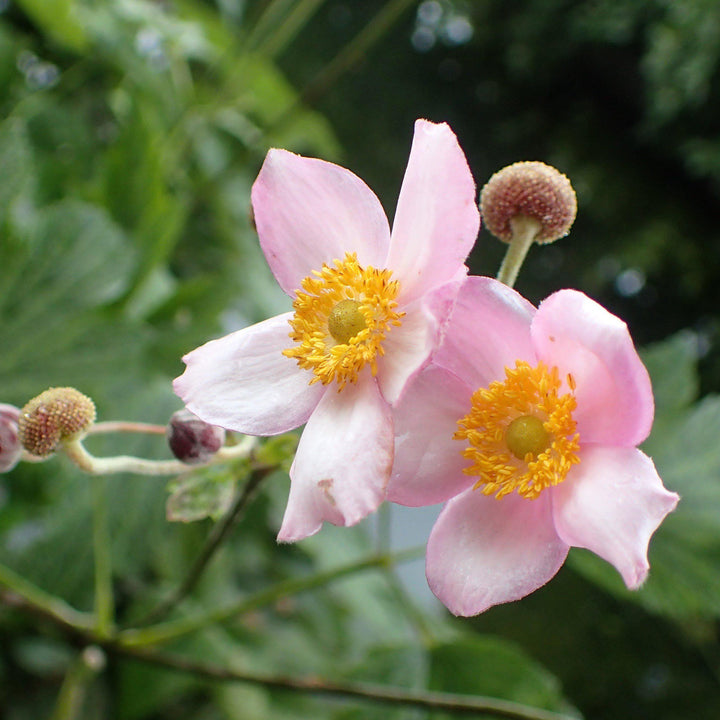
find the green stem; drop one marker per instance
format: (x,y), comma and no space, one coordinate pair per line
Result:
(74,688)
(217,536)
(20,591)
(292,23)
(104,601)
(368,692)
(76,451)
(525,230)
(165,632)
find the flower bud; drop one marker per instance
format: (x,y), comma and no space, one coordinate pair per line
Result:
(530,190)
(54,415)
(10,447)
(192,440)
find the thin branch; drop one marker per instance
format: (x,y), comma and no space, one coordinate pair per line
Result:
(216,537)
(16,591)
(174,629)
(368,692)
(113,426)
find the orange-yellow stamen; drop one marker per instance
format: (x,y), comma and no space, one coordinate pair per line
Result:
(521,433)
(342,315)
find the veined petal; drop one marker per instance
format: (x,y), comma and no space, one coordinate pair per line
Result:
(612,503)
(614,395)
(408,347)
(343,462)
(428,465)
(243,382)
(483,551)
(437,219)
(487,332)
(309,212)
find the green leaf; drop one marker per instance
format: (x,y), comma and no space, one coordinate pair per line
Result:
(16,164)
(484,665)
(202,494)
(57,280)
(60,19)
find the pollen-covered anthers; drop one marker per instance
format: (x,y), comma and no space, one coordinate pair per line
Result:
(521,432)
(53,416)
(342,315)
(529,190)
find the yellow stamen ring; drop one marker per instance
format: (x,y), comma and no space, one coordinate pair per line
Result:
(342,315)
(521,433)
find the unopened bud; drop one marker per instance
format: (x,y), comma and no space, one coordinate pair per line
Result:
(529,190)
(54,415)
(10,447)
(192,440)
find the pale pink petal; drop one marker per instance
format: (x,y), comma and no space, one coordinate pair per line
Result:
(437,219)
(428,465)
(483,551)
(243,382)
(408,347)
(343,462)
(614,396)
(612,503)
(489,330)
(309,212)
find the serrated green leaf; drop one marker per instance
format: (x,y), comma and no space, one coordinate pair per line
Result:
(199,495)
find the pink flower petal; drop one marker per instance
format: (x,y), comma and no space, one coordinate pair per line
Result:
(428,465)
(483,551)
(614,396)
(408,347)
(243,382)
(437,219)
(612,503)
(487,332)
(343,462)
(309,212)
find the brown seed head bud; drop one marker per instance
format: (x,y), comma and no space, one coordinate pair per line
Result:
(529,189)
(10,447)
(54,415)
(192,440)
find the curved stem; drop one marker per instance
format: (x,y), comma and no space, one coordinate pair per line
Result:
(423,699)
(172,630)
(525,229)
(214,540)
(21,592)
(86,461)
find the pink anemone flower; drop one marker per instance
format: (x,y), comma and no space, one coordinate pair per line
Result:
(527,423)
(369,306)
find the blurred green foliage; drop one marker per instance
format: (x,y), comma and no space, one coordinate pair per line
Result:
(131,133)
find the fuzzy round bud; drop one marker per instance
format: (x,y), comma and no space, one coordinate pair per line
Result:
(531,190)
(10,447)
(192,440)
(54,415)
